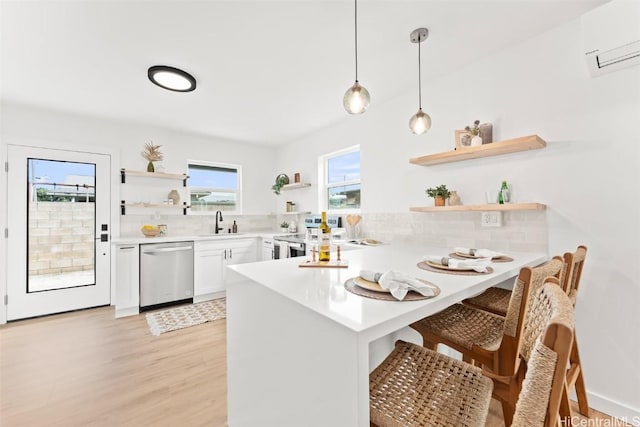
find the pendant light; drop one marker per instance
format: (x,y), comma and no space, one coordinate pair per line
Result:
(420,122)
(356,98)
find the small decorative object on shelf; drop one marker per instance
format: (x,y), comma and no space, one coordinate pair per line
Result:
(296,177)
(505,195)
(281,180)
(440,194)
(454,199)
(152,154)
(474,135)
(174,196)
(284,226)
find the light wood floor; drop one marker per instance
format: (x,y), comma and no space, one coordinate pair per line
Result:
(87,368)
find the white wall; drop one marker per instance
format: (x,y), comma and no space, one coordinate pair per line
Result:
(124,142)
(588,176)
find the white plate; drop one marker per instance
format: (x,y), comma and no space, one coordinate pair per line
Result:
(446,267)
(366,284)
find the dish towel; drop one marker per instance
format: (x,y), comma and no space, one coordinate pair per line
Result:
(284,249)
(479,265)
(480,253)
(398,283)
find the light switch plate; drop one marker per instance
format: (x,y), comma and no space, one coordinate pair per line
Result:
(491,219)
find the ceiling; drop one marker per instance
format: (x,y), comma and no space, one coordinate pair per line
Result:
(268,71)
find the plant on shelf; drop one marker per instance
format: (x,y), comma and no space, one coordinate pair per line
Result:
(473,130)
(284,226)
(281,180)
(152,154)
(439,194)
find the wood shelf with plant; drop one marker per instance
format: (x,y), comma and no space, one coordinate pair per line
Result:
(482,208)
(531,142)
(295,186)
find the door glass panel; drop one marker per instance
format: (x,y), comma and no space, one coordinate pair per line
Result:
(61,224)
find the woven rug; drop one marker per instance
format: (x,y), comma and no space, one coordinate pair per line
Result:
(186,315)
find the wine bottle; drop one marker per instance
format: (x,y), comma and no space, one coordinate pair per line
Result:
(324,240)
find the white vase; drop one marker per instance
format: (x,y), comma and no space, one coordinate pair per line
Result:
(476,141)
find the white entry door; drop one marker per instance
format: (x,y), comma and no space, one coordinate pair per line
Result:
(58,231)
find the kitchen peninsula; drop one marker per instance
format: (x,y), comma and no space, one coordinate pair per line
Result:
(300,346)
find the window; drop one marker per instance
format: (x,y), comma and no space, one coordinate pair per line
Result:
(214,187)
(341,178)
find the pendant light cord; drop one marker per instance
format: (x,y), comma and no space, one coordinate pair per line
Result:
(419,76)
(356,35)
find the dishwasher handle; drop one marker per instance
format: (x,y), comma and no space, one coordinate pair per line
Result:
(165,250)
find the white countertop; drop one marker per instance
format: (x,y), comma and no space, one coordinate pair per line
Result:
(205,236)
(321,289)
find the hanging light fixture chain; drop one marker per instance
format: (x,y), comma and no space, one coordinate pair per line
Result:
(355,18)
(419,76)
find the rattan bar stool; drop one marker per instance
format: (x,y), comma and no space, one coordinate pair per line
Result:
(574,262)
(416,386)
(486,338)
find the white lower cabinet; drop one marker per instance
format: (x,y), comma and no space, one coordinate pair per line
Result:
(210,260)
(126,274)
(267,249)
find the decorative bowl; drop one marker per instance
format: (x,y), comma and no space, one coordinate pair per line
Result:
(150,231)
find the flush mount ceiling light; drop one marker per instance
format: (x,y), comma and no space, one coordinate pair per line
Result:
(356,98)
(420,122)
(171,78)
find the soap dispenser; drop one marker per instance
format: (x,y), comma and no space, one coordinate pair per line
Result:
(234,227)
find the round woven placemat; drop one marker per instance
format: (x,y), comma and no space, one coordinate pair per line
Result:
(411,295)
(423,265)
(501,259)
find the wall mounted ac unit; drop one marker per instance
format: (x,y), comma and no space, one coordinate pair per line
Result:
(611,36)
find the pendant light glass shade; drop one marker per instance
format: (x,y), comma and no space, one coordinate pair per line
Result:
(421,121)
(356,99)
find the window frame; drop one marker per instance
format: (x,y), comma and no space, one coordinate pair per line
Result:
(325,186)
(206,163)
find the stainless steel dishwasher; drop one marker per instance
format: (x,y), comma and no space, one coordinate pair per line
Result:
(166,274)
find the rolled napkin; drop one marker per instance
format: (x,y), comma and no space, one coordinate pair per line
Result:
(479,265)
(398,283)
(480,253)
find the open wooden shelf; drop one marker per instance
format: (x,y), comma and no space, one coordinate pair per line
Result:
(124,205)
(177,176)
(296,213)
(531,142)
(483,208)
(295,186)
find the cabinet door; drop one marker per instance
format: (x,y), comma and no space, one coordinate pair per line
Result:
(242,251)
(207,271)
(126,275)
(267,253)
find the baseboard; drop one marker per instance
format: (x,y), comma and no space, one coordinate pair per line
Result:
(209,296)
(129,311)
(615,409)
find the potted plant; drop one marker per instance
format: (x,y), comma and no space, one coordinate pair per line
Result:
(284,226)
(152,154)
(440,194)
(281,180)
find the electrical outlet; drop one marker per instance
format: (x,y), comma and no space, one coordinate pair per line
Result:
(491,219)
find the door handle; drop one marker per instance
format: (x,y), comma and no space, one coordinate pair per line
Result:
(104,237)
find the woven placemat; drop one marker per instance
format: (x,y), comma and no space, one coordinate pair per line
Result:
(501,259)
(411,295)
(423,265)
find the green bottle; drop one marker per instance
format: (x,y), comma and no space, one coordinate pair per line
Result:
(504,196)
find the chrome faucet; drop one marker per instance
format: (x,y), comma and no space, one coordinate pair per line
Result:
(218,228)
